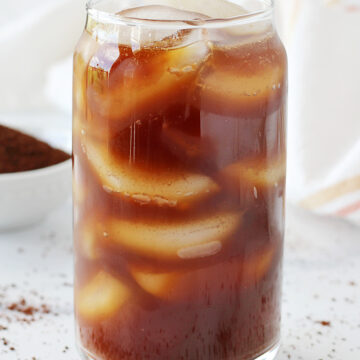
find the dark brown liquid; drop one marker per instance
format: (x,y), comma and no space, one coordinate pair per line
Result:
(179,173)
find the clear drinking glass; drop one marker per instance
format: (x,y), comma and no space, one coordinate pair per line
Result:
(179,180)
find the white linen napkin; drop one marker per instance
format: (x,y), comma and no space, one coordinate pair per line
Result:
(322,40)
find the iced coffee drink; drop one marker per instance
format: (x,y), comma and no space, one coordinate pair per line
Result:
(179,180)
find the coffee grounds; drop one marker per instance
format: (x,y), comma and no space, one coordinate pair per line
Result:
(324,323)
(25,309)
(21,152)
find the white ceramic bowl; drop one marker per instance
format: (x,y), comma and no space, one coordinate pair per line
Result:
(28,197)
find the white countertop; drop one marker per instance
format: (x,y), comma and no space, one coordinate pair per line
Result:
(321,283)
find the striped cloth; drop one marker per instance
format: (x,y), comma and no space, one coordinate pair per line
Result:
(341,199)
(322,40)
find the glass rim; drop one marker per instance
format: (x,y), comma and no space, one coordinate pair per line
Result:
(103,16)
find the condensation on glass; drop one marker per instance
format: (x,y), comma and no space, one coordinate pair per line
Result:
(179,147)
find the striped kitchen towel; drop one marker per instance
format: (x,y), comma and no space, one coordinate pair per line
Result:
(322,40)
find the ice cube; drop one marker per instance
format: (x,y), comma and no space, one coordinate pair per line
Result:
(105,57)
(162,36)
(157,284)
(215,9)
(135,88)
(162,12)
(214,284)
(187,10)
(238,93)
(88,240)
(86,47)
(196,12)
(258,173)
(236,32)
(200,251)
(84,51)
(80,190)
(184,240)
(163,189)
(101,298)
(79,185)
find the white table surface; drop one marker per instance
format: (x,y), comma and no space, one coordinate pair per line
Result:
(321,283)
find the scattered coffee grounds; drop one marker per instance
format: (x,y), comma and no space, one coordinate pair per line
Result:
(324,323)
(21,152)
(25,309)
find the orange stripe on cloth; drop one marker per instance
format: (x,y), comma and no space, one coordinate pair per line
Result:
(349,209)
(332,193)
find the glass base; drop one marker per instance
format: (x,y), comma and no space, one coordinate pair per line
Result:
(269,355)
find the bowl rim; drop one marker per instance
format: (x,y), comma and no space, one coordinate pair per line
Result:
(48,170)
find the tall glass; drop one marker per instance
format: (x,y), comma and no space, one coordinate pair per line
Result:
(179,180)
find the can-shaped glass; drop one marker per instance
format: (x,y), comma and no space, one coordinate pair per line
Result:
(179,150)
